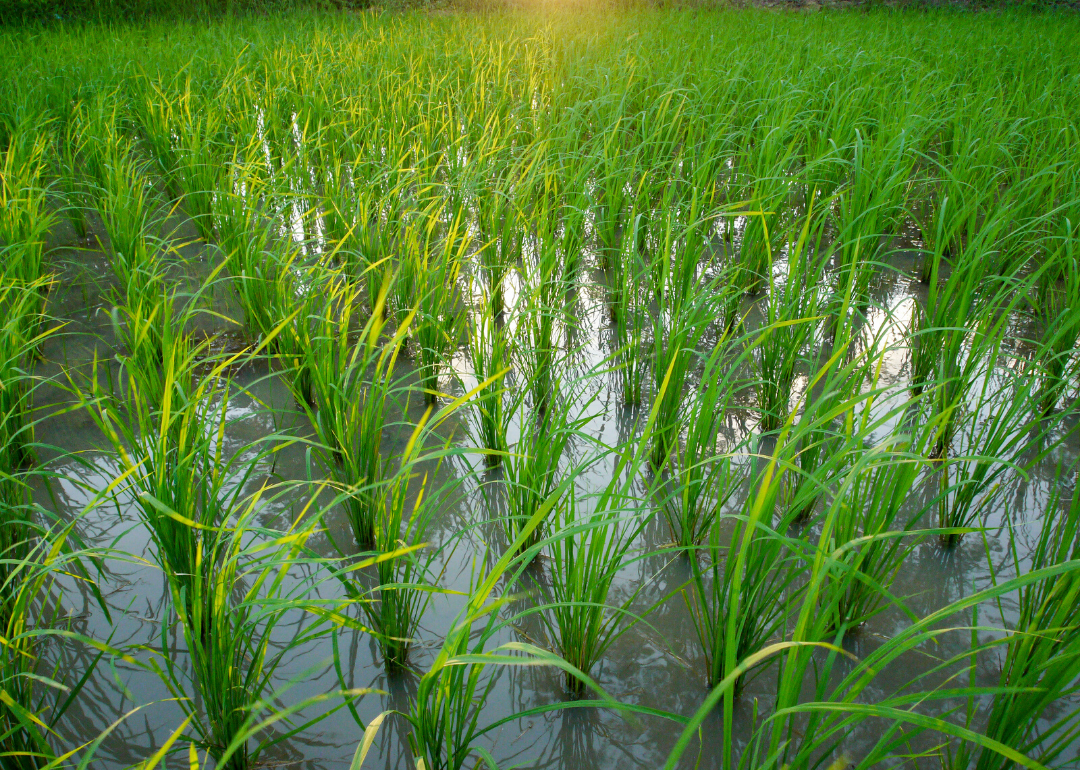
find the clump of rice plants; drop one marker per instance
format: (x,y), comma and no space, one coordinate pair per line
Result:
(867,210)
(1061,323)
(25,220)
(353,387)
(532,474)
(587,551)
(865,532)
(629,305)
(989,450)
(1041,657)
(20,337)
(741,591)
(35,700)
(502,233)
(121,191)
(245,237)
(489,357)
(685,310)
(437,316)
(789,320)
(704,477)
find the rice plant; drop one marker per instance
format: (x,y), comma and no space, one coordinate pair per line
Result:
(353,386)
(499,220)
(1061,323)
(1040,655)
(990,450)
(704,477)
(789,322)
(677,329)
(489,356)
(35,699)
(238,596)
(532,472)
(20,337)
(437,319)
(629,311)
(25,216)
(864,529)
(587,551)
(740,594)
(246,242)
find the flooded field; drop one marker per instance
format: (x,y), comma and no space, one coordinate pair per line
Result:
(578,390)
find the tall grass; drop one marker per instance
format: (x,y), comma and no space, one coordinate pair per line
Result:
(1040,656)
(681,174)
(33,563)
(354,386)
(739,595)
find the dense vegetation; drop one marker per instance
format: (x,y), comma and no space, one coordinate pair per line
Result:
(709,374)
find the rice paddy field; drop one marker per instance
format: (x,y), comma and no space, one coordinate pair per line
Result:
(544,389)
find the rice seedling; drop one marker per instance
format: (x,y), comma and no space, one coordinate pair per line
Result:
(703,477)
(799,732)
(198,167)
(260,280)
(938,328)
(990,450)
(1061,323)
(789,321)
(1040,658)
(25,215)
(35,700)
(489,356)
(437,318)
(615,178)
(122,195)
(20,337)
(407,580)
(587,551)
(963,197)
(446,711)
(296,304)
(685,312)
(531,469)
(353,386)
(869,208)
(863,528)
(766,161)
(629,305)
(238,596)
(502,233)
(741,595)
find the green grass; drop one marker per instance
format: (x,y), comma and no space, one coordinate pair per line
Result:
(655,267)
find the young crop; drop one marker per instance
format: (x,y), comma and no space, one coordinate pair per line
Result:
(353,386)
(587,551)
(1060,317)
(670,250)
(532,471)
(437,316)
(35,700)
(744,579)
(489,357)
(1041,654)
(866,534)
(704,478)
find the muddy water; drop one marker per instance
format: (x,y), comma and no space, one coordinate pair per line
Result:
(658,664)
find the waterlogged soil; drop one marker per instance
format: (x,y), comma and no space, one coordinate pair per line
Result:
(658,663)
